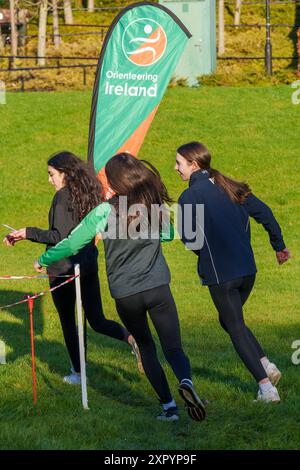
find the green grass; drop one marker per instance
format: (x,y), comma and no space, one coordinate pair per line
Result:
(252,134)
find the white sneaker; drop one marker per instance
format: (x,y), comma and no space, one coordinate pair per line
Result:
(73,379)
(271,395)
(273,373)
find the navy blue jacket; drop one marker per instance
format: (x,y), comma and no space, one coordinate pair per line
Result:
(226,253)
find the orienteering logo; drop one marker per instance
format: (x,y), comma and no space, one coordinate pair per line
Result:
(144,42)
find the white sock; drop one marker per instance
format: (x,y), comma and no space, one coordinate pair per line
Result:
(265,362)
(171,404)
(187,381)
(265,387)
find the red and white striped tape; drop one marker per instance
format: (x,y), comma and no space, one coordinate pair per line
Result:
(43,276)
(38,295)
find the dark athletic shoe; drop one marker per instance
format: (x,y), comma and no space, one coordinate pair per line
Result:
(195,406)
(169,415)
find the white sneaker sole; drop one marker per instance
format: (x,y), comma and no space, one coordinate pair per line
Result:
(77,384)
(265,401)
(173,418)
(66,380)
(259,400)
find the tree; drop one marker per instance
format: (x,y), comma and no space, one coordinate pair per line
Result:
(298,35)
(91,6)
(221,48)
(56,37)
(68,12)
(1,39)
(14,31)
(237,12)
(42,32)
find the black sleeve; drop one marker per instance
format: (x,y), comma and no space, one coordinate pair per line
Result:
(263,215)
(38,235)
(63,224)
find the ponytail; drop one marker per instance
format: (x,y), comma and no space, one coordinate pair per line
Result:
(236,190)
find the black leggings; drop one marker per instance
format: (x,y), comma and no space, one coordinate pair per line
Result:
(162,310)
(229,299)
(64,299)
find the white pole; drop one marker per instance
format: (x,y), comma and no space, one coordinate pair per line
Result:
(81,339)
(2,353)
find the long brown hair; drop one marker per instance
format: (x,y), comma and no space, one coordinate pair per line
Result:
(137,179)
(198,153)
(85,189)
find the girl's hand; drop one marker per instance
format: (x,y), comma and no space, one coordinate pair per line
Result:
(283,256)
(38,268)
(18,234)
(9,241)
(15,236)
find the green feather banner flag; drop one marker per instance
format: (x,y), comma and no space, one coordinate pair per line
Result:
(137,60)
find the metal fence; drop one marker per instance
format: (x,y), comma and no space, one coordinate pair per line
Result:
(22,79)
(102,30)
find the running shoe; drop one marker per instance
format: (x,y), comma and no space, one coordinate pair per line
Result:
(74,378)
(135,350)
(273,373)
(171,414)
(195,406)
(271,396)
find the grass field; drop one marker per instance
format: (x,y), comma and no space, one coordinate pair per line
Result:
(253,135)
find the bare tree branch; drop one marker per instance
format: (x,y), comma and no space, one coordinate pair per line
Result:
(237,12)
(221,45)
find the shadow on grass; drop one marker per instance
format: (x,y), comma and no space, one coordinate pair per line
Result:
(116,384)
(276,341)
(16,335)
(214,375)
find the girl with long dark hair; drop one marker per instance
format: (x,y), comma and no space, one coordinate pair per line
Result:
(77,193)
(225,258)
(138,274)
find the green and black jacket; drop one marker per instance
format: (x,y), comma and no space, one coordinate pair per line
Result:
(132,265)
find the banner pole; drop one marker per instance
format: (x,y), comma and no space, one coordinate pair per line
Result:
(85,337)
(30,308)
(81,338)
